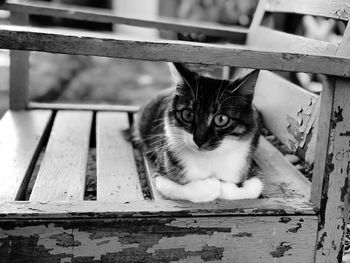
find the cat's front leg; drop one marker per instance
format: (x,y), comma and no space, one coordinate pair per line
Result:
(251,189)
(205,190)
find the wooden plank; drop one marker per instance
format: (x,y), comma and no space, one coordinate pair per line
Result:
(288,111)
(19,70)
(62,173)
(56,41)
(337,9)
(324,124)
(270,39)
(117,176)
(21,136)
(281,179)
(334,202)
(83,107)
(147,208)
(98,15)
(162,239)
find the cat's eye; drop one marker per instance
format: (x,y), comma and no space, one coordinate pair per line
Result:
(187,115)
(221,120)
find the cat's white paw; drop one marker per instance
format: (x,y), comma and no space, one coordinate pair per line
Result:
(229,191)
(254,187)
(251,189)
(164,186)
(206,190)
(197,191)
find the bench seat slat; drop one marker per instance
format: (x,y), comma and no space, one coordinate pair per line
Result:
(117,176)
(84,43)
(61,176)
(21,134)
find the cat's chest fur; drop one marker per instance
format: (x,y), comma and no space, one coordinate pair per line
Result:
(228,163)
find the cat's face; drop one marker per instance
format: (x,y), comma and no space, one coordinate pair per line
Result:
(211,110)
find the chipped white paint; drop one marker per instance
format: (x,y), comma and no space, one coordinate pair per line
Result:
(84,245)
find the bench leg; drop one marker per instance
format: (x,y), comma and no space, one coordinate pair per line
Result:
(331,175)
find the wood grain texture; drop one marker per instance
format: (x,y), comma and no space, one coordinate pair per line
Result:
(19,70)
(85,107)
(62,173)
(281,179)
(323,133)
(335,188)
(58,41)
(150,176)
(147,208)
(270,39)
(288,111)
(100,15)
(196,239)
(21,135)
(337,9)
(117,176)
(334,202)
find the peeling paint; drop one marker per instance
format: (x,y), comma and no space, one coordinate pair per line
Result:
(294,229)
(300,125)
(284,219)
(280,250)
(57,241)
(345,189)
(338,115)
(321,241)
(345,134)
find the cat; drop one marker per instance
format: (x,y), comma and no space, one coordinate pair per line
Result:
(201,136)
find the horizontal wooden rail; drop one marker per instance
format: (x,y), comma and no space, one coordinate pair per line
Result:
(99,15)
(82,107)
(337,9)
(58,41)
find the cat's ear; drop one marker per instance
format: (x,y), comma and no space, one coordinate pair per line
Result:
(245,86)
(180,72)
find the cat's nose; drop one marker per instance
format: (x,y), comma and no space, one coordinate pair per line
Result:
(198,141)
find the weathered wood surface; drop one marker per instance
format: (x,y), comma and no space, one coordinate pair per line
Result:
(117,176)
(85,107)
(270,39)
(281,179)
(63,170)
(84,43)
(21,136)
(19,70)
(289,112)
(97,15)
(333,197)
(148,208)
(337,9)
(196,239)
(150,176)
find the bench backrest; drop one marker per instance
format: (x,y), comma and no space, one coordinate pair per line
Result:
(289,111)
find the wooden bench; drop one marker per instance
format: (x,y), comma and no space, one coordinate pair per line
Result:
(295,221)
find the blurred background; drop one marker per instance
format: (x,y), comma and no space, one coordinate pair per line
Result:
(67,78)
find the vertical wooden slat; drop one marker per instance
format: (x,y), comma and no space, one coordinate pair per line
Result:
(332,197)
(117,176)
(19,70)
(21,134)
(62,173)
